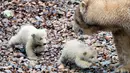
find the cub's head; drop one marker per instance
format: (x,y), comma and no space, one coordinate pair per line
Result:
(81,19)
(39,37)
(90,55)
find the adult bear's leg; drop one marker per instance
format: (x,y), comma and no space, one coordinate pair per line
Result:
(122,43)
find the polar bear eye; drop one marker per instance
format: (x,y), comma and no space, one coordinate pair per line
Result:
(41,38)
(85,53)
(91,57)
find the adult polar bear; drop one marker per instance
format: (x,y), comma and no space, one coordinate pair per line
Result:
(108,15)
(31,38)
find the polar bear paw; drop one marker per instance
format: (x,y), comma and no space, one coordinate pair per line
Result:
(123,69)
(33,58)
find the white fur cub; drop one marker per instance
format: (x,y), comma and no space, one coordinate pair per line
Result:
(31,38)
(79,53)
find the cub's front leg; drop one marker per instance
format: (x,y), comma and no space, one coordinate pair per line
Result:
(38,49)
(81,63)
(29,50)
(122,43)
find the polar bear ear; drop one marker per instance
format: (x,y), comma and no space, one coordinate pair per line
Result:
(33,35)
(83,6)
(85,53)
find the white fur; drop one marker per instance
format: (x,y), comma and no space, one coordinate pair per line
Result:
(73,50)
(24,36)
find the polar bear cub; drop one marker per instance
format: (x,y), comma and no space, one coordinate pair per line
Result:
(31,37)
(79,53)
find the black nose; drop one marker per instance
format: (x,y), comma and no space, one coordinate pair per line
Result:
(81,31)
(44,43)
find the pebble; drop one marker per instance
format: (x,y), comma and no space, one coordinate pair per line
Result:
(38,66)
(61,66)
(38,18)
(8,13)
(69,14)
(20,70)
(8,71)
(105,63)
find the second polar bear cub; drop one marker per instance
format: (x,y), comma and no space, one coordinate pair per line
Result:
(31,38)
(78,53)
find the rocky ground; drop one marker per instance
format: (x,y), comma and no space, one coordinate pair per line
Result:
(57,17)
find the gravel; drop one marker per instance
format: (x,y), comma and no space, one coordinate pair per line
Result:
(58,17)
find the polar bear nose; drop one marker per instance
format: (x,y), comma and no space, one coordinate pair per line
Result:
(44,43)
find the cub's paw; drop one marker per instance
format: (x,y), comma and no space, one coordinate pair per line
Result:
(33,58)
(33,62)
(123,69)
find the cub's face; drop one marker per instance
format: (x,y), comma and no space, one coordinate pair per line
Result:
(90,56)
(40,37)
